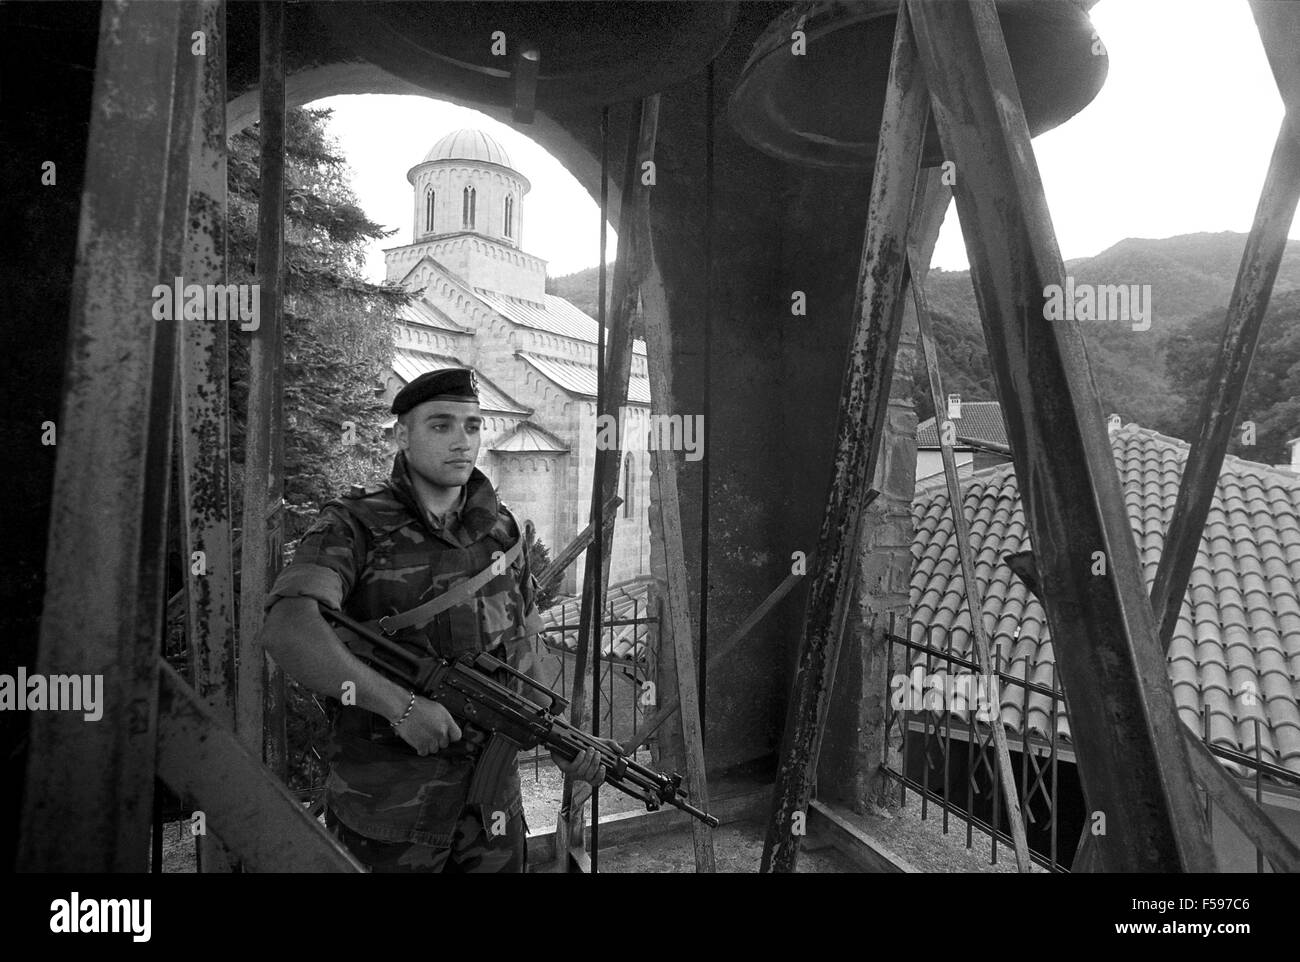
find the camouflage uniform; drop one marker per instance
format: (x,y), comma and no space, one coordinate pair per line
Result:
(378,552)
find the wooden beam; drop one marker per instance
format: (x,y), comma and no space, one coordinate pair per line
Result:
(974,596)
(90,785)
(1132,760)
(615,370)
(839,827)
(670,706)
(877,317)
(553,572)
(667,512)
(241,801)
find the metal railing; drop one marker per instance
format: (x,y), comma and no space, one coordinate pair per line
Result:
(623,676)
(926,759)
(964,785)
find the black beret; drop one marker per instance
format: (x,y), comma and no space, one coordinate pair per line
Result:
(452,384)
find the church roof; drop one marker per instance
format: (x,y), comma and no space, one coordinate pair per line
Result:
(409,364)
(555,316)
(469,144)
(426,315)
(528,437)
(580,379)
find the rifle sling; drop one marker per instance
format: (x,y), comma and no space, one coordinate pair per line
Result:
(425,613)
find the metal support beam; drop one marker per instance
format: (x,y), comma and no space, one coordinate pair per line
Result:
(1224,790)
(1279,31)
(1132,759)
(1222,400)
(868,374)
(973,592)
(90,785)
(211,617)
(262,493)
(240,799)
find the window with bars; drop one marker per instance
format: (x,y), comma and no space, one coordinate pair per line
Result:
(509,217)
(428,210)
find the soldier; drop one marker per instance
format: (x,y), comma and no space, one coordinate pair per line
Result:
(401,793)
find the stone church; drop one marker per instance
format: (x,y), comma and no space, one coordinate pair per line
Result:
(483,304)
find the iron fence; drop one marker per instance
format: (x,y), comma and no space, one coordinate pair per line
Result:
(966,785)
(927,758)
(627,664)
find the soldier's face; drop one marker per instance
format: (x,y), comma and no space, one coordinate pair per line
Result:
(441,440)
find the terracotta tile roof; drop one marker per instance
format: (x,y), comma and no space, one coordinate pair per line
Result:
(409,364)
(629,599)
(580,379)
(1236,650)
(979,421)
(555,316)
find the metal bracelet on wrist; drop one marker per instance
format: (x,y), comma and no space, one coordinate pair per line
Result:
(410,707)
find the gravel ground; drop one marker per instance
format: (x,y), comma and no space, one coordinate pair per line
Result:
(738,845)
(923,844)
(542,792)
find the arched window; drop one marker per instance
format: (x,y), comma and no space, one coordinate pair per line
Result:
(509,226)
(467,209)
(629,484)
(428,210)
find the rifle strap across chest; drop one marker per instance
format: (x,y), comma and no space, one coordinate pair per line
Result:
(420,616)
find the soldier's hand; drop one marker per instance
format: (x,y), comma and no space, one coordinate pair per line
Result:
(586,766)
(429,728)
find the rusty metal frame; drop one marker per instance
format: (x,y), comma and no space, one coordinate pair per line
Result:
(1222,401)
(242,801)
(877,322)
(1102,625)
(90,811)
(974,596)
(263,457)
(203,407)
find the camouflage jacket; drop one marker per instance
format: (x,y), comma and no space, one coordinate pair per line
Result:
(377,552)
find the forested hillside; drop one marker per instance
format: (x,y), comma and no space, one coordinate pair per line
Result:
(1155,377)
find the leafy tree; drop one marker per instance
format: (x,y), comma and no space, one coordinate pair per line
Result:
(1272,390)
(539,556)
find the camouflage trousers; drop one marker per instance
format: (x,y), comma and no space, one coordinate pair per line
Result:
(472,849)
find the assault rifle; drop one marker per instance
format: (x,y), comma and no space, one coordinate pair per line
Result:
(466,688)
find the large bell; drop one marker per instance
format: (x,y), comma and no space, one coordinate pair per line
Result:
(823,108)
(585,53)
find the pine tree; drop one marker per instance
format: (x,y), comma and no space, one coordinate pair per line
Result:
(338,327)
(338,346)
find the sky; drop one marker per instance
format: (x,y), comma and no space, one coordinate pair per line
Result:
(1176,142)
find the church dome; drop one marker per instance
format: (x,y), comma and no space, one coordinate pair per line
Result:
(469,144)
